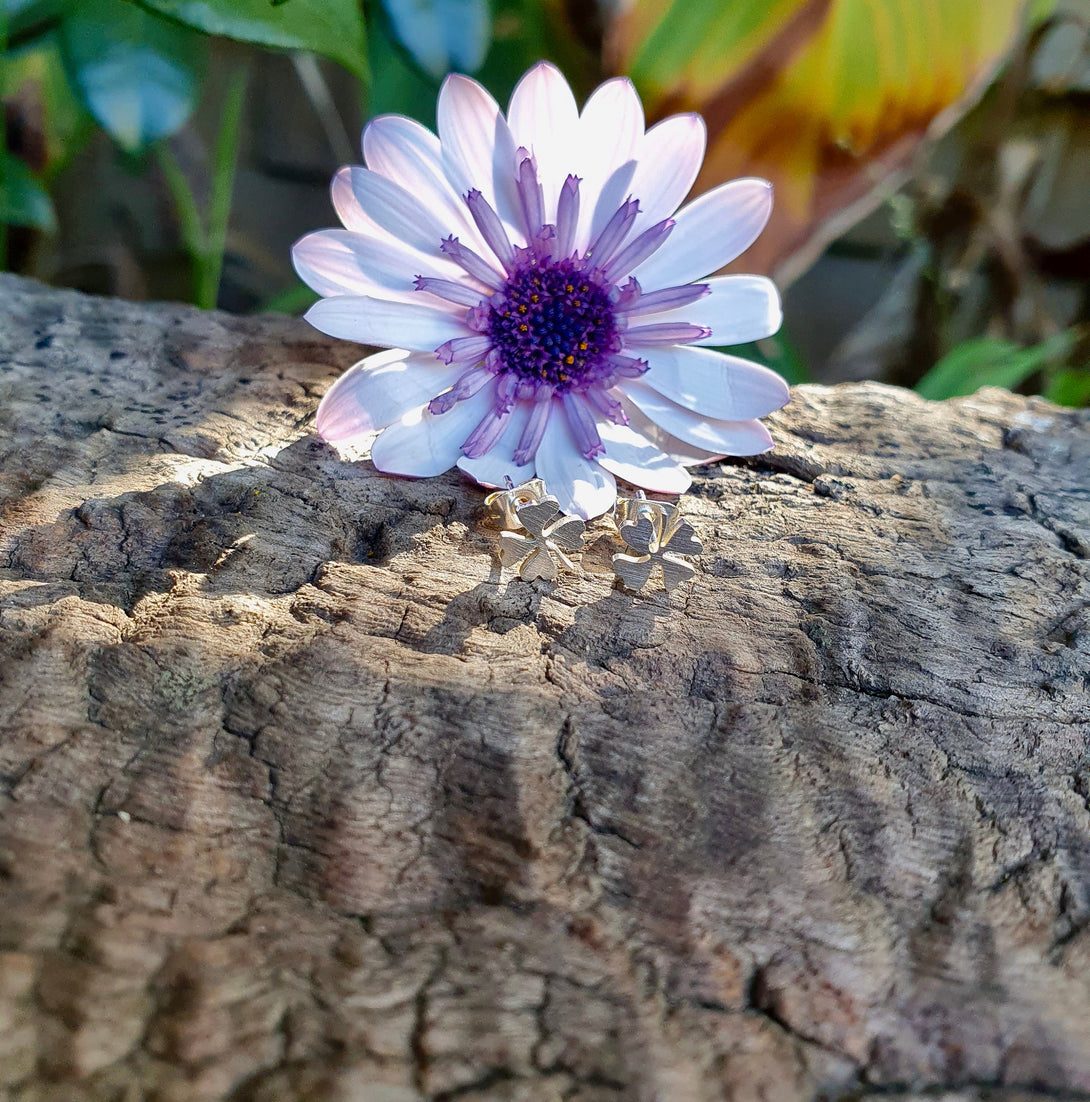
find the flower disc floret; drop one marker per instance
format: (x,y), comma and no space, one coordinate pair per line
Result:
(553,323)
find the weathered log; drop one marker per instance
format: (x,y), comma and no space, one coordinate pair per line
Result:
(301,799)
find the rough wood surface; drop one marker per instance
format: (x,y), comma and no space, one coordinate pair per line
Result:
(299,799)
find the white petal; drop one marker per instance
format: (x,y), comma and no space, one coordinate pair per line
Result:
(723,387)
(669,160)
(610,135)
(635,459)
(364,199)
(341,262)
(478,150)
(387,324)
(423,444)
(710,232)
(379,389)
(543,118)
(742,437)
(410,154)
(492,469)
(737,309)
(678,451)
(580,485)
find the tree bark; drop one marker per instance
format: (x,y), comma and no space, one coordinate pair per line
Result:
(300,798)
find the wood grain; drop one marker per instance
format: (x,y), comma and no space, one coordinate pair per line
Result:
(301,799)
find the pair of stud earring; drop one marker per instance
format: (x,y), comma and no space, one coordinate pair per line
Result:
(537,537)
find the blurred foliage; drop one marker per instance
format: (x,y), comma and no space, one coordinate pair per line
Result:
(332,28)
(822,97)
(205,242)
(992,362)
(522,32)
(443,35)
(996,230)
(831,99)
(779,353)
(136,67)
(137,74)
(23,198)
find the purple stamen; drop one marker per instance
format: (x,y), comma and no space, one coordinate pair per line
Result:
(465,387)
(471,262)
(581,423)
(449,290)
(667,333)
(531,196)
(616,230)
(639,250)
(567,217)
(629,294)
(535,427)
(487,434)
(667,299)
(507,390)
(463,349)
(541,244)
(477,318)
(628,367)
(488,222)
(608,407)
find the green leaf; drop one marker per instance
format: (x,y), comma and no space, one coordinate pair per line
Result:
(1070,388)
(397,86)
(295,300)
(990,362)
(523,32)
(443,34)
(136,73)
(1037,11)
(22,20)
(332,28)
(23,199)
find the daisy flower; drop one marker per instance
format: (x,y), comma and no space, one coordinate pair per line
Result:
(543,301)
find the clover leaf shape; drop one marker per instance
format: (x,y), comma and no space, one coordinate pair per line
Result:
(658,537)
(537,552)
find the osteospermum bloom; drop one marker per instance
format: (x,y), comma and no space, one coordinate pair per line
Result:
(543,305)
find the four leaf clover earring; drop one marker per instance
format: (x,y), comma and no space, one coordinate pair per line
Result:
(657,533)
(536,536)
(546,534)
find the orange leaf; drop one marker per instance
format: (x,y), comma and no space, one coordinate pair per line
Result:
(825,98)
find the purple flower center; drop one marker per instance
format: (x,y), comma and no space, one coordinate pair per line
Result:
(553,323)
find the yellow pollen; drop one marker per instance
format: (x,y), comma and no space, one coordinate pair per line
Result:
(576,302)
(524,328)
(582,346)
(535,298)
(522,309)
(569,359)
(569,288)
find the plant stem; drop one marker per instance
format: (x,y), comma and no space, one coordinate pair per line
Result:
(206,245)
(224,162)
(189,218)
